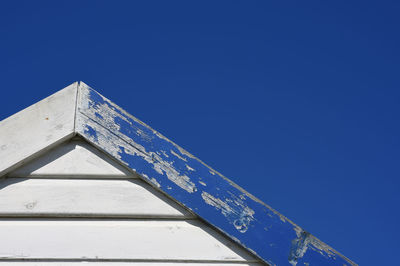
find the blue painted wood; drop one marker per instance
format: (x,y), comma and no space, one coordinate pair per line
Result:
(214,198)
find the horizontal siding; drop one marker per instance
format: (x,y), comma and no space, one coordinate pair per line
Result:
(84,197)
(117,239)
(73,158)
(76,206)
(141,263)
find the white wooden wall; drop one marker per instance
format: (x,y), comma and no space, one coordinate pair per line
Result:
(74,205)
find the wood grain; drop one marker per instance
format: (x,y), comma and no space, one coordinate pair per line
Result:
(85,197)
(117,239)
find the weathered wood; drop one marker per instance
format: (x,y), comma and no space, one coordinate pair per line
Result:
(210,195)
(134,263)
(115,239)
(158,161)
(113,263)
(73,158)
(37,127)
(89,198)
(152,217)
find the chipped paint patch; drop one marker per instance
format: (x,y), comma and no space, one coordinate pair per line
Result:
(177,155)
(304,242)
(164,153)
(299,246)
(154,182)
(183,181)
(217,203)
(190,168)
(235,210)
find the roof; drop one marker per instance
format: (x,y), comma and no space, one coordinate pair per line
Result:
(80,110)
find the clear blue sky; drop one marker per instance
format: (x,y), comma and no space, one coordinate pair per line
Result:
(297,101)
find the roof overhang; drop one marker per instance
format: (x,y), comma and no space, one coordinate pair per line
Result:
(80,110)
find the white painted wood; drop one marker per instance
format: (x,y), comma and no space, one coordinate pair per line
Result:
(118,239)
(74,158)
(37,127)
(74,197)
(91,263)
(73,180)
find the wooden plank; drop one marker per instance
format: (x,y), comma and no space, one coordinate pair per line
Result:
(74,158)
(88,197)
(217,200)
(182,176)
(142,263)
(118,239)
(37,127)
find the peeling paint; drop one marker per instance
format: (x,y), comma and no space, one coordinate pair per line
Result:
(241,216)
(217,203)
(177,155)
(117,146)
(190,168)
(299,246)
(164,153)
(154,181)
(235,210)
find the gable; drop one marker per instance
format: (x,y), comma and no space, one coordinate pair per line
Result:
(172,171)
(73,158)
(75,202)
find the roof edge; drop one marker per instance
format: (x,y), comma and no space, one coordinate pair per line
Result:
(214,198)
(79,109)
(37,127)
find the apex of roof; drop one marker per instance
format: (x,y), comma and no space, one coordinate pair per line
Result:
(80,110)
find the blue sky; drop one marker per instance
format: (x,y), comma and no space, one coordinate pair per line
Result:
(297,102)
